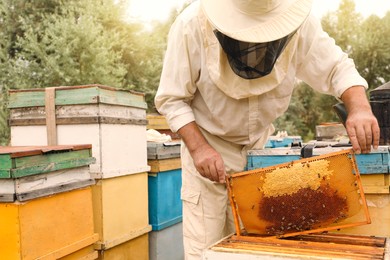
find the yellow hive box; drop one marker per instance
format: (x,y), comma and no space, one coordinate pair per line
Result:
(120,207)
(48,227)
(134,249)
(157,122)
(86,253)
(377,190)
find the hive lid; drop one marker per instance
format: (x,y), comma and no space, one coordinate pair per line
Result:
(21,161)
(316,194)
(381,92)
(76,95)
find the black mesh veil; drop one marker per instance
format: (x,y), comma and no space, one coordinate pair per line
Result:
(252,60)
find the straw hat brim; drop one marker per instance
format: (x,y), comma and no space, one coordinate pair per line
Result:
(254,27)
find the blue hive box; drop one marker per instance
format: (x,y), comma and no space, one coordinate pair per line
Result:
(287,141)
(164,180)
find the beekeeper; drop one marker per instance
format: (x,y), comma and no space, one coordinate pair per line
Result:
(229,72)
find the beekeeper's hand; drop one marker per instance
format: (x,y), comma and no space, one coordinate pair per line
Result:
(362,126)
(207,160)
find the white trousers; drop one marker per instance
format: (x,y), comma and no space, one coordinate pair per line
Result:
(207,215)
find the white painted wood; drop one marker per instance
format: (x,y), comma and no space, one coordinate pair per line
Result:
(44,183)
(51,179)
(76,111)
(7,187)
(28,135)
(119,149)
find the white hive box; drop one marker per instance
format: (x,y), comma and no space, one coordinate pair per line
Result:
(112,120)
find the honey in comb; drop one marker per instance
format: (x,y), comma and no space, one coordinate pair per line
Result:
(302,210)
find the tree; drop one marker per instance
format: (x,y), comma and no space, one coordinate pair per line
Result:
(56,42)
(372,54)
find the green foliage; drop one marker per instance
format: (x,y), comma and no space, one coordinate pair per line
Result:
(307,109)
(367,42)
(76,42)
(71,42)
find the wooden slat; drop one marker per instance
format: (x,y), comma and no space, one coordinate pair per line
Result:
(31,170)
(49,158)
(164,165)
(5,174)
(50,111)
(20,151)
(79,120)
(53,190)
(300,248)
(72,95)
(343,239)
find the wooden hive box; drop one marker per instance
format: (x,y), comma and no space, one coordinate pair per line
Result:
(112,120)
(120,207)
(30,172)
(51,227)
(157,151)
(164,182)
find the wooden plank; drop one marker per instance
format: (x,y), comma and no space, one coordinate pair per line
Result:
(164,165)
(5,162)
(163,150)
(20,151)
(49,158)
(55,166)
(26,99)
(121,98)
(343,239)
(53,190)
(4,173)
(303,249)
(34,186)
(79,120)
(73,95)
(311,245)
(50,111)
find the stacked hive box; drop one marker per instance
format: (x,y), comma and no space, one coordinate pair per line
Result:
(114,122)
(46,203)
(159,123)
(374,170)
(165,208)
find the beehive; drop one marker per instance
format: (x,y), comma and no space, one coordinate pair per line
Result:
(164,181)
(30,172)
(120,207)
(106,117)
(49,227)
